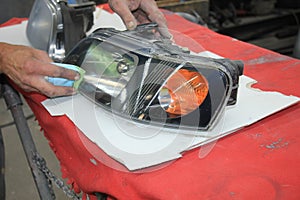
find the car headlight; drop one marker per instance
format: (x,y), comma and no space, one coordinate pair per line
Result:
(144,77)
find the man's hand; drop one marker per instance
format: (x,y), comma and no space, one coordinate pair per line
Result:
(28,67)
(135,12)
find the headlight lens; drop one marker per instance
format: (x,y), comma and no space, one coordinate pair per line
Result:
(147,82)
(183,92)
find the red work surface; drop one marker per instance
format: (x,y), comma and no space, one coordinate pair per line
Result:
(261,161)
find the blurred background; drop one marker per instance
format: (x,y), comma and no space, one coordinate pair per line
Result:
(272,24)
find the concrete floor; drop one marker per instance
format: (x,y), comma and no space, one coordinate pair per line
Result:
(19,181)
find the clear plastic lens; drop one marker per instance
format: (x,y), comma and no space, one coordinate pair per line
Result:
(183,92)
(108,68)
(145,82)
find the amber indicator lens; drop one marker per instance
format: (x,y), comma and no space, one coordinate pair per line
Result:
(183,92)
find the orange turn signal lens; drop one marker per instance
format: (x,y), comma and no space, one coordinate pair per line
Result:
(183,92)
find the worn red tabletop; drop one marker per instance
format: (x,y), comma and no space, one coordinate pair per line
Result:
(261,161)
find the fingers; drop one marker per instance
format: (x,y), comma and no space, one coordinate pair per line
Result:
(35,81)
(40,85)
(153,12)
(163,29)
(123,9)
(52,70)
(141,16)
(140,11)
(50,90)
(44,66)
(155,15)
(38,82)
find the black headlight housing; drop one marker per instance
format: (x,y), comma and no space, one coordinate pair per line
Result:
(144,77)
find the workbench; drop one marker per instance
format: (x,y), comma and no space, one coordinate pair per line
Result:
(261,161)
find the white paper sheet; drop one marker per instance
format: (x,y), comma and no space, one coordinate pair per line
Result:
(139,146)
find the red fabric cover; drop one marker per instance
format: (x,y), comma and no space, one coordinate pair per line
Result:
(261,161)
